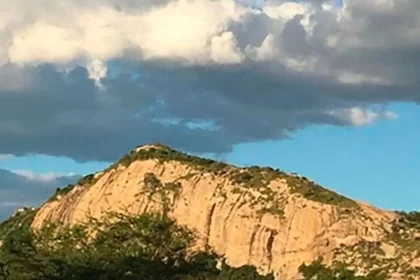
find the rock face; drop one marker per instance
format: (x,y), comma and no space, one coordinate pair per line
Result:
(251,216)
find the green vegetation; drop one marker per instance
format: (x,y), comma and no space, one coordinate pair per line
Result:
(406,234)
(260,177)
(409,219)
(315,192)
(256,177)
(85,181)
(153,246)
(246,272)
(22,219)
(164,154)
(363,254)
(61,192)
(317,271)
(406,231)
(274,209)
(154,186)
(149,246)
(253,177)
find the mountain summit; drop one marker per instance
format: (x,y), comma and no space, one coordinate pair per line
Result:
(254,215)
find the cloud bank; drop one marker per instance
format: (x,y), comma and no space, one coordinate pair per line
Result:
(91,79)
(25,188)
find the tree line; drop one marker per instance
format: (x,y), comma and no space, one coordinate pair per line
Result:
(120,247)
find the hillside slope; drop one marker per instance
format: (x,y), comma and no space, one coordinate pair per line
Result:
(257,216)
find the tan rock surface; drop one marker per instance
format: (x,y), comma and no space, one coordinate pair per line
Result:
(225,216)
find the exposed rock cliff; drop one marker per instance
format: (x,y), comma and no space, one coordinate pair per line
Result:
(257,216)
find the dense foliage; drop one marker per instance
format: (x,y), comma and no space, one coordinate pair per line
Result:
(318,271)
(21,219)
(148,247)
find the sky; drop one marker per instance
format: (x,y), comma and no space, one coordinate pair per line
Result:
(328,89)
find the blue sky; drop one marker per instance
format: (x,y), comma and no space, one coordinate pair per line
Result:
(379,163)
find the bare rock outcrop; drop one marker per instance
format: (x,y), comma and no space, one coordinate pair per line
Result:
(250,216)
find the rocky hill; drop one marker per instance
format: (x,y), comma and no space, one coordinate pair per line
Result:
(258,216)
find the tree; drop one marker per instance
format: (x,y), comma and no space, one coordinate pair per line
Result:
(120,247)
(318,271)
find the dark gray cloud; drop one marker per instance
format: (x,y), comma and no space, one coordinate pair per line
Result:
(261,76)
(26,191)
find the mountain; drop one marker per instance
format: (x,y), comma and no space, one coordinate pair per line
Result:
(251,216)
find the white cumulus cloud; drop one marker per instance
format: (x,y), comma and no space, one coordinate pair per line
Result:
(254,73)
(41,177)
(361,117)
